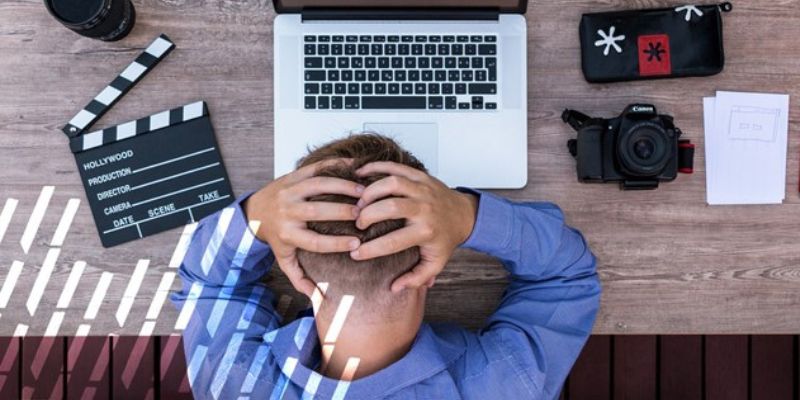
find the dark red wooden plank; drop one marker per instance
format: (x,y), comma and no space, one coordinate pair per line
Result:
(133,369)
(174,380)
(9,367)
(634,367)
(591,376)
(681,369)
(772,367)
(42,367)
(88,365)
(726,367)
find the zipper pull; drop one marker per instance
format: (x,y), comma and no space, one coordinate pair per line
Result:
(726,6)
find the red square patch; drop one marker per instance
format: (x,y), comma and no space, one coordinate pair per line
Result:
(654,55)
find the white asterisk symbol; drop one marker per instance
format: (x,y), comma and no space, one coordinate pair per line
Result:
(609,40)
(689,11)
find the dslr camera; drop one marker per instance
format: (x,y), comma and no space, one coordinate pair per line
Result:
(638,149)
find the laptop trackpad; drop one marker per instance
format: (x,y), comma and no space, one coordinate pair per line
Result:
(421,139)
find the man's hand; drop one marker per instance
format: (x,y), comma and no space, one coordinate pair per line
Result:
(438,219)
(283,210)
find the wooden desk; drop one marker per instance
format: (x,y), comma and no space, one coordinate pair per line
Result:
(669,263)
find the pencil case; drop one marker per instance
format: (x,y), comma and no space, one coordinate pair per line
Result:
(653,43)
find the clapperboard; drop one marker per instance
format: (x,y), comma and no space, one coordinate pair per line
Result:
(152,174)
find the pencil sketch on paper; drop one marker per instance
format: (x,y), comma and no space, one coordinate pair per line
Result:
(754,123)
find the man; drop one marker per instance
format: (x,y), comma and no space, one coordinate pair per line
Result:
(362,230)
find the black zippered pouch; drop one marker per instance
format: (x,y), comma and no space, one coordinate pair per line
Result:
(653,43)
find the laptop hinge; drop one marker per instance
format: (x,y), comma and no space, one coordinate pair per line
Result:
(425,14)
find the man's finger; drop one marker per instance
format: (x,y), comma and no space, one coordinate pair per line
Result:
(393,208)
(390,243)
(392,168)
(391,185)
(291,268)
(419,276)
(327,185)
(317,243)
(323,211)
(311,170)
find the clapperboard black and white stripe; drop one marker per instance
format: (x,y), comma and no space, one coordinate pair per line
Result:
(153,174)
(121,85)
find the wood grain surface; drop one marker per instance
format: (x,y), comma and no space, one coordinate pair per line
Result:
(669,263)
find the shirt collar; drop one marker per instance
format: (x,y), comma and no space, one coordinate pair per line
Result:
(428,356)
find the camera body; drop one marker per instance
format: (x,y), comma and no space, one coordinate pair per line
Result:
(638,149)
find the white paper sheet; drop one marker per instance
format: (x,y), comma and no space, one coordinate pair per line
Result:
(745,142)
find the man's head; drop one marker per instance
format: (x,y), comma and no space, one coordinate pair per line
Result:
(368,281)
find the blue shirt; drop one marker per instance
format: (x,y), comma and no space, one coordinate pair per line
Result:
(236,347)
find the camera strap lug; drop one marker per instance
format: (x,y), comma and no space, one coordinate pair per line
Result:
(685,156)
(575,119)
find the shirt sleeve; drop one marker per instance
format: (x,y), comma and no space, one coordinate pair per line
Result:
(549,307)
(226,312)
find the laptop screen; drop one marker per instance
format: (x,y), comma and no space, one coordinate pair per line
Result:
(503,5)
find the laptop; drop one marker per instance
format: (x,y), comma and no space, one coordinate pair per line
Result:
(447,79)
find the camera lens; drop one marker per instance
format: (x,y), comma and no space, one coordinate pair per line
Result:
(645,149)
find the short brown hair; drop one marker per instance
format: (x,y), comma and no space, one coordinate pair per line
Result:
(369,280)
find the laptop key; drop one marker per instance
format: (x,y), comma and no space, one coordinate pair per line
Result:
(324,49)
(366,88)
(357,62)
(330,62)
(480,75)
(310,50)
(403,49)
(433,88)
(487,49)
(351,38)
(407,38)
(394,88)
(324,38)
(311,102)
(453,76)
(344,62)
(352,88)
(420,38)
(449,39)
(437,62)
(374,75)
(450,62)
(323,103)
(424,62)
(407,88)
(462,39)
(457,49)
(435,38)
(427,75)
(482,88)
(390,49)
(492,74)
(413,76)
(461,88)
(463,62)
(337,49)
(463,106)
(387,75)
(310,38)
(365,38)
(435,103)
(450,102)
(315,75)
(393,39)
(392,102)
(336,102)
(363,49)
(340,88)
(411,62)
(338,38)
(380,88)
(491,106)
(379,38)
(419,88)
(383,62)
(351,102)
(490,39)
(350,49)
(347,76)
(370,62)
(430,49)
(400,76)
(477,63)
(376,49)
(440,75)
(416,49)
(361,75)
(444,49)
(397,62)
(327,88)
(333,75)
(477,102)
(470,49)
(313,62)
(475,39)
(466,76)
(447,88)
(312,88)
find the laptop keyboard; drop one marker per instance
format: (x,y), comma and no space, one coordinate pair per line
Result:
(394,72)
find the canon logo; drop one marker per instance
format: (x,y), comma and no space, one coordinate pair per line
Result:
(642,109)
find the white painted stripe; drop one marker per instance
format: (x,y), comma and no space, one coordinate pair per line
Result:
(225,365)
(66,221)
(191,171)
(311,386)
(5,216)
(71,285)
(131,291)
(182,246)
(133,72)
(192,111)
(177,192)
(158,47)
(195,363)
(216,239)
(92,140)
(301,334)
(20,331)
(99,295)
(339,319)
(55,324)
(318,296)
(289,366)
(218,309)
(9,283)
(147,328)
(159,120)
(108,95)
(82,119)
(250,308)
(347,376)
(245,244)
(126,130)
(161,295)
(255,369)
(172,160)
(36,218)
(41,280)
(83,330)
(188,306)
